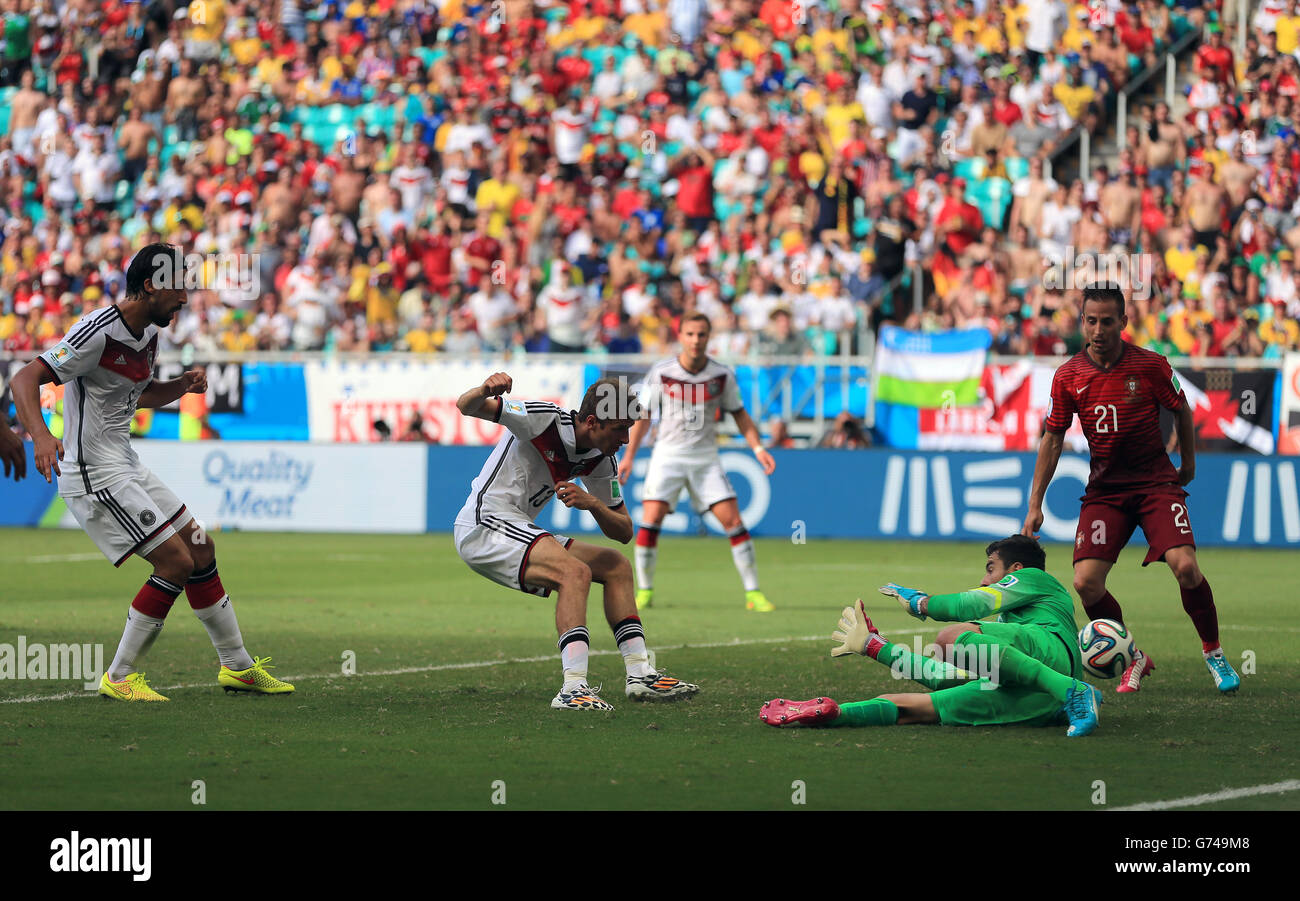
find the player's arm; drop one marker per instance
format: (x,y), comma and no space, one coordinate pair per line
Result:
(12,451)
(26,387)
(160,394)
(635,436)
(483,401)
(649,398)
(755,441)
(1060,413)
(1049,455)
(1169,393)
(1186,426)
(614,522)
(961,606)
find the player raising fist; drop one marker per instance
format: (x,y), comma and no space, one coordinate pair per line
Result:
(544,449)
(1117,391)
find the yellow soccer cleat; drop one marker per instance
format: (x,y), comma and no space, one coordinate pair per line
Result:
(644,598)
(132,688)
(255,678)
(758,602)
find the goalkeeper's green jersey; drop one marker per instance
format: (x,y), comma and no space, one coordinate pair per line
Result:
(1024,597)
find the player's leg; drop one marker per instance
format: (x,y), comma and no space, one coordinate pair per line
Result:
(886,710)
(545,563)
(646,552)
(904,663)
(123,520)
(1198,601)
(1166,523)
(1030,658)
(610,569)
(239,671)
(1105,526)
(742,552)
(1104,529)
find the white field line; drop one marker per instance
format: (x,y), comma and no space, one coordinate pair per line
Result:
(1275,788)
(442,667)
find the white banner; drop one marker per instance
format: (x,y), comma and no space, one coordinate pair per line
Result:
(345,399)
(290,486)
(1288,426)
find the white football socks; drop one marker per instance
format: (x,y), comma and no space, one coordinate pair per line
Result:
(742,551)
(137,638)
(575,646)
(631,644)
(645,566)
(223,629)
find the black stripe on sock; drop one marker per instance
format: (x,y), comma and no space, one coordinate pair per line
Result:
(629,628)
(577,633)
(203,575)
(164,586)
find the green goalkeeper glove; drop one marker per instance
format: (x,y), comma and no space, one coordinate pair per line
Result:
(855,631)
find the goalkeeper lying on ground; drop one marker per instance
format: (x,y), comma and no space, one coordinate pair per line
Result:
(1023,669)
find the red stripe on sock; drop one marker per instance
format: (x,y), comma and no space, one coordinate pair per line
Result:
(202,595)
(740,537)
(153,601)
(647,537)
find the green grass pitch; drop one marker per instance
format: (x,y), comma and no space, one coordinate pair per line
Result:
(450,700)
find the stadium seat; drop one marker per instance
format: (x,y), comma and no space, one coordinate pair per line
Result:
(1017,168)
(971,168)
(993,197)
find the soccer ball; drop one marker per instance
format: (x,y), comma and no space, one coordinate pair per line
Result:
(1107,647)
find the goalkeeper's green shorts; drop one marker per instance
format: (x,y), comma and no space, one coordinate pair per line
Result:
(975,704)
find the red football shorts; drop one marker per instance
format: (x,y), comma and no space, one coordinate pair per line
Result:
(1107,521)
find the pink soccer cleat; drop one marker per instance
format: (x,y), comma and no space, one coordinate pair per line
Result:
(817,712)
(1141,667)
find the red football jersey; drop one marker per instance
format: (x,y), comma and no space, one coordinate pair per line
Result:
(1119,410)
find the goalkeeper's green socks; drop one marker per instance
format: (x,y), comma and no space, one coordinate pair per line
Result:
(1018,668)
(933,674)
(876,712)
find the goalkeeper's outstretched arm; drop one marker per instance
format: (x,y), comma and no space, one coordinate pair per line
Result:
(961,606)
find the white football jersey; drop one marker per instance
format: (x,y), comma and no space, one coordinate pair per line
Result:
(519,477)
(104,368)
(690,404)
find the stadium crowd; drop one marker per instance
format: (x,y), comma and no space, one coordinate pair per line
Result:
(441,176)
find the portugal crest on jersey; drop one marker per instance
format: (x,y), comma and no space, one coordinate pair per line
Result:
(1132,386)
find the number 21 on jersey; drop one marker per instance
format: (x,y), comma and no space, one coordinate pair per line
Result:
(1107,418)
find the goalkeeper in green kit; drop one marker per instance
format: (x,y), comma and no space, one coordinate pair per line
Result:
(1022,669)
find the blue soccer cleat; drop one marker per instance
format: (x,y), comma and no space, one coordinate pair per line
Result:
(1225,677)
(1081,708)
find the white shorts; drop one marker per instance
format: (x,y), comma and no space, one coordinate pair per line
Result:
(498,548)
(703,478)
(133,516)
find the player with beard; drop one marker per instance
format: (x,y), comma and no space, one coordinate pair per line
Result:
(1118,389)
(106,362)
